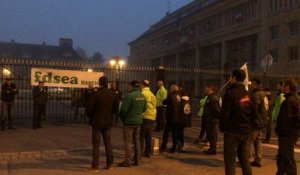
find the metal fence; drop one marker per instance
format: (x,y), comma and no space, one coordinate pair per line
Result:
(62,103)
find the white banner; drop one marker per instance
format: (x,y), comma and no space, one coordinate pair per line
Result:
(64,78)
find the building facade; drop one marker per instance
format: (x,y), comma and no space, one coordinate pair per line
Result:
(223,35)
(64,51)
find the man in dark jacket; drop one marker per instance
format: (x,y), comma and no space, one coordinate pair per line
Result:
(115,89)
(211,114)
(131,114)
(288,129)
(9,91)
(235,123)
(261,106)
(40,98)
(101,106)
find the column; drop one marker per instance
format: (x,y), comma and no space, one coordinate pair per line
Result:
(197,76)
(177,66)
(223,61)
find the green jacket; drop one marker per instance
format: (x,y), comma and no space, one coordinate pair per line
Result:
(161,95)
(132,108)
(150,112)
(279,99)
(202,103)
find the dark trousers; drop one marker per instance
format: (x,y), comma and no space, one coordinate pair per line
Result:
(212,135)
(132,134)
(6,113)
(146,136)
(116,116)
(106,134)
(269,129)
(286,164)
(236,145)
(202,131)
(167,130)
(160,118)
(38,111)
(177,137)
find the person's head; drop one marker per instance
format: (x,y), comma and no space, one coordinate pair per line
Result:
(289,86)
(9,81)
(279,86)
(134,84)
(145,83)
(113,86)
(255,83)
(209,89)
(159,84)
(174,88)
(103,81)
(238,75)
(41,84)
(180,86)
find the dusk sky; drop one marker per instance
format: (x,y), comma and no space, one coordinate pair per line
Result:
(95,25)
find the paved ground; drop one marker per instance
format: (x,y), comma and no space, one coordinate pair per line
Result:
(66,150)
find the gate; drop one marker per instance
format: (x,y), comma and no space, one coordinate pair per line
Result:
(63,103)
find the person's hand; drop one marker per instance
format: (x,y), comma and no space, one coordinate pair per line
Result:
(15,89)
(7,92)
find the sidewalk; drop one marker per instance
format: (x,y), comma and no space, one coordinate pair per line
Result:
(66,150)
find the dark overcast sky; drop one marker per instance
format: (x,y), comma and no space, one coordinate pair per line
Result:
(95,25)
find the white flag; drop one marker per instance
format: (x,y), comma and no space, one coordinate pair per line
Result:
(246,81)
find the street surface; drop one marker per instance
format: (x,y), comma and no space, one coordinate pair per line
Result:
(66,150)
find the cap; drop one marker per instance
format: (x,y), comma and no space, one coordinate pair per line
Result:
(135,83)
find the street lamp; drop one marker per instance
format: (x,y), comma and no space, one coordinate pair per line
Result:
(117,63)
(6,72)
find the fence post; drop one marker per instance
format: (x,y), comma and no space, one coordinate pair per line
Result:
(160,74)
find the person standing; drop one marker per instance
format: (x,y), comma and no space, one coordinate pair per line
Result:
(202,134)
(133,106)
(161,95)
(115,89)
(174,113)
(211,115)
(101,107)
(149,117)
(279,99)
(261,106)
(9,91)
(235,123)
(288,129)
(268,134)
(86,96)
(40,98)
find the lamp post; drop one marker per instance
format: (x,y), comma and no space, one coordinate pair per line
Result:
(117,63)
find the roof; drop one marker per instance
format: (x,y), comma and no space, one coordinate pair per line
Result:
(186,11)
(36,51)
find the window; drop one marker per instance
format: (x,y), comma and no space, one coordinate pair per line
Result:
(274,32)
(274,54)
(293,53)
(294,28)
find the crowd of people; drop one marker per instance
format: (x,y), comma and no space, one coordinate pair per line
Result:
(242,116)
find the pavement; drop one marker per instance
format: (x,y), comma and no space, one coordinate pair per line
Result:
(66,150)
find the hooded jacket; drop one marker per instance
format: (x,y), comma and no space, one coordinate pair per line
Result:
(133,107)
(150,112)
